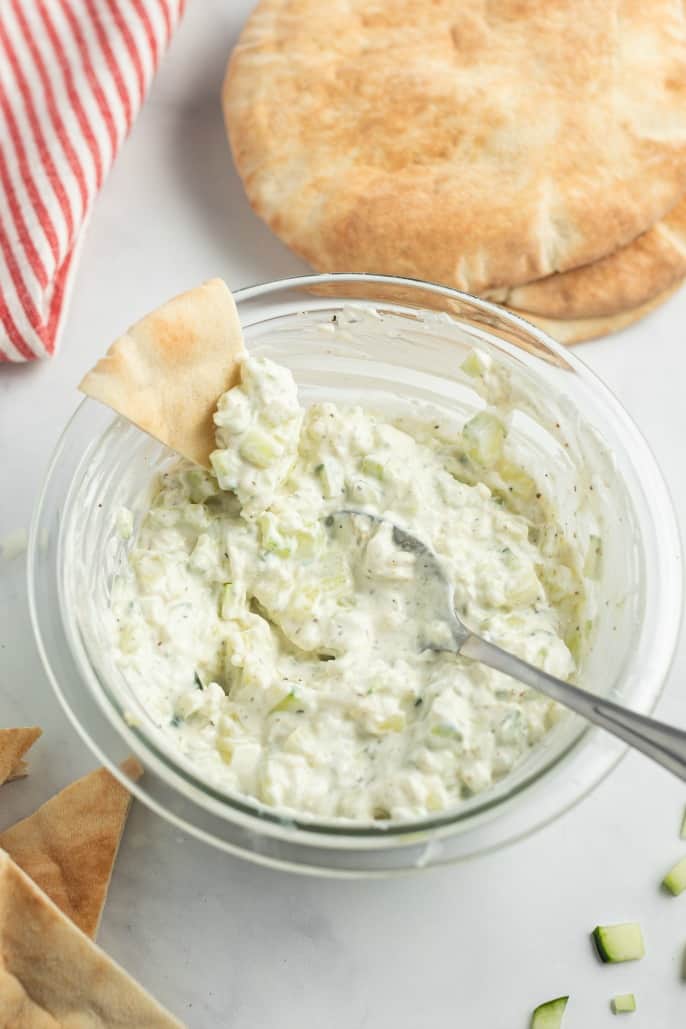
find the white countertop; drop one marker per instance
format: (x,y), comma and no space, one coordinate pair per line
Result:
(227,944)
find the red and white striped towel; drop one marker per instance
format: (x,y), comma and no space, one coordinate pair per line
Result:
(73,75)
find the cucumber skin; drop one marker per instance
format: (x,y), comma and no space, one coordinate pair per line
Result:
(604,954)
(549,1014)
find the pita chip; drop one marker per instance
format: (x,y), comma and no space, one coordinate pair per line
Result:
(13,745)
(69,845)
(54,977)
(168,371)
(20,771)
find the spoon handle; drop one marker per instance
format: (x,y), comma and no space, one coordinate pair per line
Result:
(663,743)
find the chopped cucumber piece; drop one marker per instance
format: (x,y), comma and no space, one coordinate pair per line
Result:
(474,364)
(446,731)
(517,480)
(124,523)
(331,474)
(394,723)
(372,466)
(224,467)
(573,641)
(675,880)
(484,436)
(291,702)
(549,1015)
(682,832)
(260,449)
(233,412)
(200,485)
(616,943)
(271,537)
(624,1002)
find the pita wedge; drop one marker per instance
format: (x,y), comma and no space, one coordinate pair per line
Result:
(69,845)
(20,771)
(168,371)
(622,282)
(54,977)
(467,142)
(13,745)
(581,330)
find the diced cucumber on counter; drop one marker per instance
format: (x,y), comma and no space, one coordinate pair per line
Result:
(623,1003)
(675,880)
(549,1014)
(616,943)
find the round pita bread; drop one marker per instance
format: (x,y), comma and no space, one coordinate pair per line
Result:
(625,280)
(580,330)
(462,141)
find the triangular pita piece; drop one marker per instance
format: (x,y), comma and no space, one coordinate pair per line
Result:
(13,745)
(20,771)
(69,845)
(168,371)
(53,977)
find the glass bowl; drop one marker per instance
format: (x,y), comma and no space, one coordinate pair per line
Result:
(392,344)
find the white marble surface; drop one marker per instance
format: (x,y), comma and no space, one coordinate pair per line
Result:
(219,941)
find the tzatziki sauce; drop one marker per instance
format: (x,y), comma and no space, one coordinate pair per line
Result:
(281,658)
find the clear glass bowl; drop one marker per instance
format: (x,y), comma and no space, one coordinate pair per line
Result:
(387,343)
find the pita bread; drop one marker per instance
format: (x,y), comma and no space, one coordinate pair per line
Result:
(581,330)
(466,142)
(53,977)
(20,771)
(623,281)
(13,745)
(69,845)
(168,371)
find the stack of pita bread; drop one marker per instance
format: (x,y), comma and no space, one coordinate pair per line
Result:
(55,869)
(529,151)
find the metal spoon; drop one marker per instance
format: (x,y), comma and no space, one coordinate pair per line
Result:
(444,631)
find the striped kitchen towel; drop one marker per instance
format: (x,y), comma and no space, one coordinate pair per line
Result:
(73,75)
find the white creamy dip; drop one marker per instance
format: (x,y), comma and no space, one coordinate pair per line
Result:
(282,655)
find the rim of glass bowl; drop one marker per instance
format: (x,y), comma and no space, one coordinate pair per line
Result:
(253,814)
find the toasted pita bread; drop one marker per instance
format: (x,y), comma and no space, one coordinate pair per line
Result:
(581,330)
(54,977)
(466,142)
(168,371)
(621,282)
(20,771)
(13,745)
(69,845)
